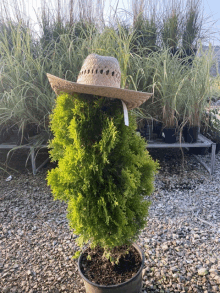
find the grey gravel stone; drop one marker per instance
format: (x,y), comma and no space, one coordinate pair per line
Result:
(203,272)
(217,279)
(213,271)
(183,205)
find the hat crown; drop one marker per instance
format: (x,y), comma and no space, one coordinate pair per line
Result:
(100,71)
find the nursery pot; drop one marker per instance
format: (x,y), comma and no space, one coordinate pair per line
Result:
(191,134)
(170,135)
(134,285)
(158,129)
(184,133)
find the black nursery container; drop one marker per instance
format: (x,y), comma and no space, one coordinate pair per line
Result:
(134,285)
(190,134)
(170,135)
(157,128)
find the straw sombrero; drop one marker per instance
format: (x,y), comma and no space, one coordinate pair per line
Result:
(100,76)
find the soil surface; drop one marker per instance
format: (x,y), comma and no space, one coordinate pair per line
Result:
(101,271)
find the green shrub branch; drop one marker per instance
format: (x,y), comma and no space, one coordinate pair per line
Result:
(104,171)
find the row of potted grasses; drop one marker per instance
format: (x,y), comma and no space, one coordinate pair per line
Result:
(26,99)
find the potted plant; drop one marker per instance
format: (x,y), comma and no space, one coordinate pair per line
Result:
(104,173)
(198,89)
(168,81)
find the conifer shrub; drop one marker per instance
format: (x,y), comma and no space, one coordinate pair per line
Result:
(104,171)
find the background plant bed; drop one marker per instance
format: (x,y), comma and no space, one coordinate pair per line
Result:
(101,271)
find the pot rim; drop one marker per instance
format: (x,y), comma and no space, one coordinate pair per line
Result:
(117,285)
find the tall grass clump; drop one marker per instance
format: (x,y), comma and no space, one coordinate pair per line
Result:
(25,102)
(168,81)
(67,34)
(192,25)
(170,32)
(24,89)
(145,26)
(199,87)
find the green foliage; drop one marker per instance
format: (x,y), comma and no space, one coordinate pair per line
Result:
(170,30)
(145,35)
(76,255)
(192,25)
(198,87)
(24,89)
(68,33)
(168,80)
(104,171)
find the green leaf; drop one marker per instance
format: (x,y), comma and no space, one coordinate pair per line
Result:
(76,255)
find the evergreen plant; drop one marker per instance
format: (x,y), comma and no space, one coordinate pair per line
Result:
(104,171)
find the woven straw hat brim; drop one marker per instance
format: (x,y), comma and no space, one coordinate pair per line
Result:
(132,99)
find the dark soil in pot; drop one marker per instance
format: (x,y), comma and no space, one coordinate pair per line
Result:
(101,271)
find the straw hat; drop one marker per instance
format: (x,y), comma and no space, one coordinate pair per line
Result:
(100,76)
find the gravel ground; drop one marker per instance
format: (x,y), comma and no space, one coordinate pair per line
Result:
(181,241)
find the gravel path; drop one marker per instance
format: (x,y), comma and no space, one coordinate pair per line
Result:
(181,241)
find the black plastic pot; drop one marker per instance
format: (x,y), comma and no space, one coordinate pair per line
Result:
(184,133)
(217,148)
(158,129)
(170,135)
(134,285)
(190,134)
(146,129)
(4,135)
